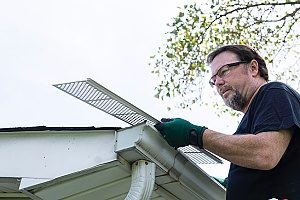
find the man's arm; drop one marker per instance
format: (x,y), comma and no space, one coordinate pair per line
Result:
(262,151)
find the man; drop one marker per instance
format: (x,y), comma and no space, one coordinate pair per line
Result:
(265,149)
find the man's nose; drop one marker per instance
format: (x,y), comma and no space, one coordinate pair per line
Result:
(219,81)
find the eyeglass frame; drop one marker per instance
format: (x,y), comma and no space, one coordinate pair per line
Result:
(213,79)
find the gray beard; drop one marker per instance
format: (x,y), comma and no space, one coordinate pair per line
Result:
(236,102)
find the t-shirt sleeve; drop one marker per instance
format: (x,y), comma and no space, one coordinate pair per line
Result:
(276,109)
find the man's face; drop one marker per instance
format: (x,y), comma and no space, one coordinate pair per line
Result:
(230,80)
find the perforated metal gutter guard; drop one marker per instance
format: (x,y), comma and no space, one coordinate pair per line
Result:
(94,94)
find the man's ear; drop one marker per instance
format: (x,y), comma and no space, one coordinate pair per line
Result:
(254,68)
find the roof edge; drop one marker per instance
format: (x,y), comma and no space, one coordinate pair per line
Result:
(47,128)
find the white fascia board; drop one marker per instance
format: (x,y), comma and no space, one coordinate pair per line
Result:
(44,155)
(144,142)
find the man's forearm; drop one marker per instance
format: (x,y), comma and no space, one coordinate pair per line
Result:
(261,151)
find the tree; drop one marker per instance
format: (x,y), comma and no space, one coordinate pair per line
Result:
(271,27)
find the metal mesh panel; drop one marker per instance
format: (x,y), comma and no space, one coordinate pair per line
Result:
(200,156)
(96,95)
(103,99)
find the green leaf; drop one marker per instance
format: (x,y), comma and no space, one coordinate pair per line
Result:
(169,55)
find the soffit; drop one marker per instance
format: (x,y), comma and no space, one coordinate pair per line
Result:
(9,189)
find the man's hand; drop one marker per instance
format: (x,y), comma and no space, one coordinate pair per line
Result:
(179,132)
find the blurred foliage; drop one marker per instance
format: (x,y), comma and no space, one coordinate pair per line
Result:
(271,27)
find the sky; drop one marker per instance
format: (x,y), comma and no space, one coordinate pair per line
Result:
(48,42)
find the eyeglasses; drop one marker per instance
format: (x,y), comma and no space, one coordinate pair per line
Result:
(224,71)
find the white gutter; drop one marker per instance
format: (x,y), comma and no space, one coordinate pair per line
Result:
(143,142)
(142,182)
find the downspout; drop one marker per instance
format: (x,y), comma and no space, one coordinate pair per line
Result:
(142,181)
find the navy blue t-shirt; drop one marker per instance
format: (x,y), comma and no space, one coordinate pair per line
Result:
(276,106)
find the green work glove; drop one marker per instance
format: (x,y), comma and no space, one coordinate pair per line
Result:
(179,132)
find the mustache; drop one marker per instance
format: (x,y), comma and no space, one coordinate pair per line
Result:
(225,88)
